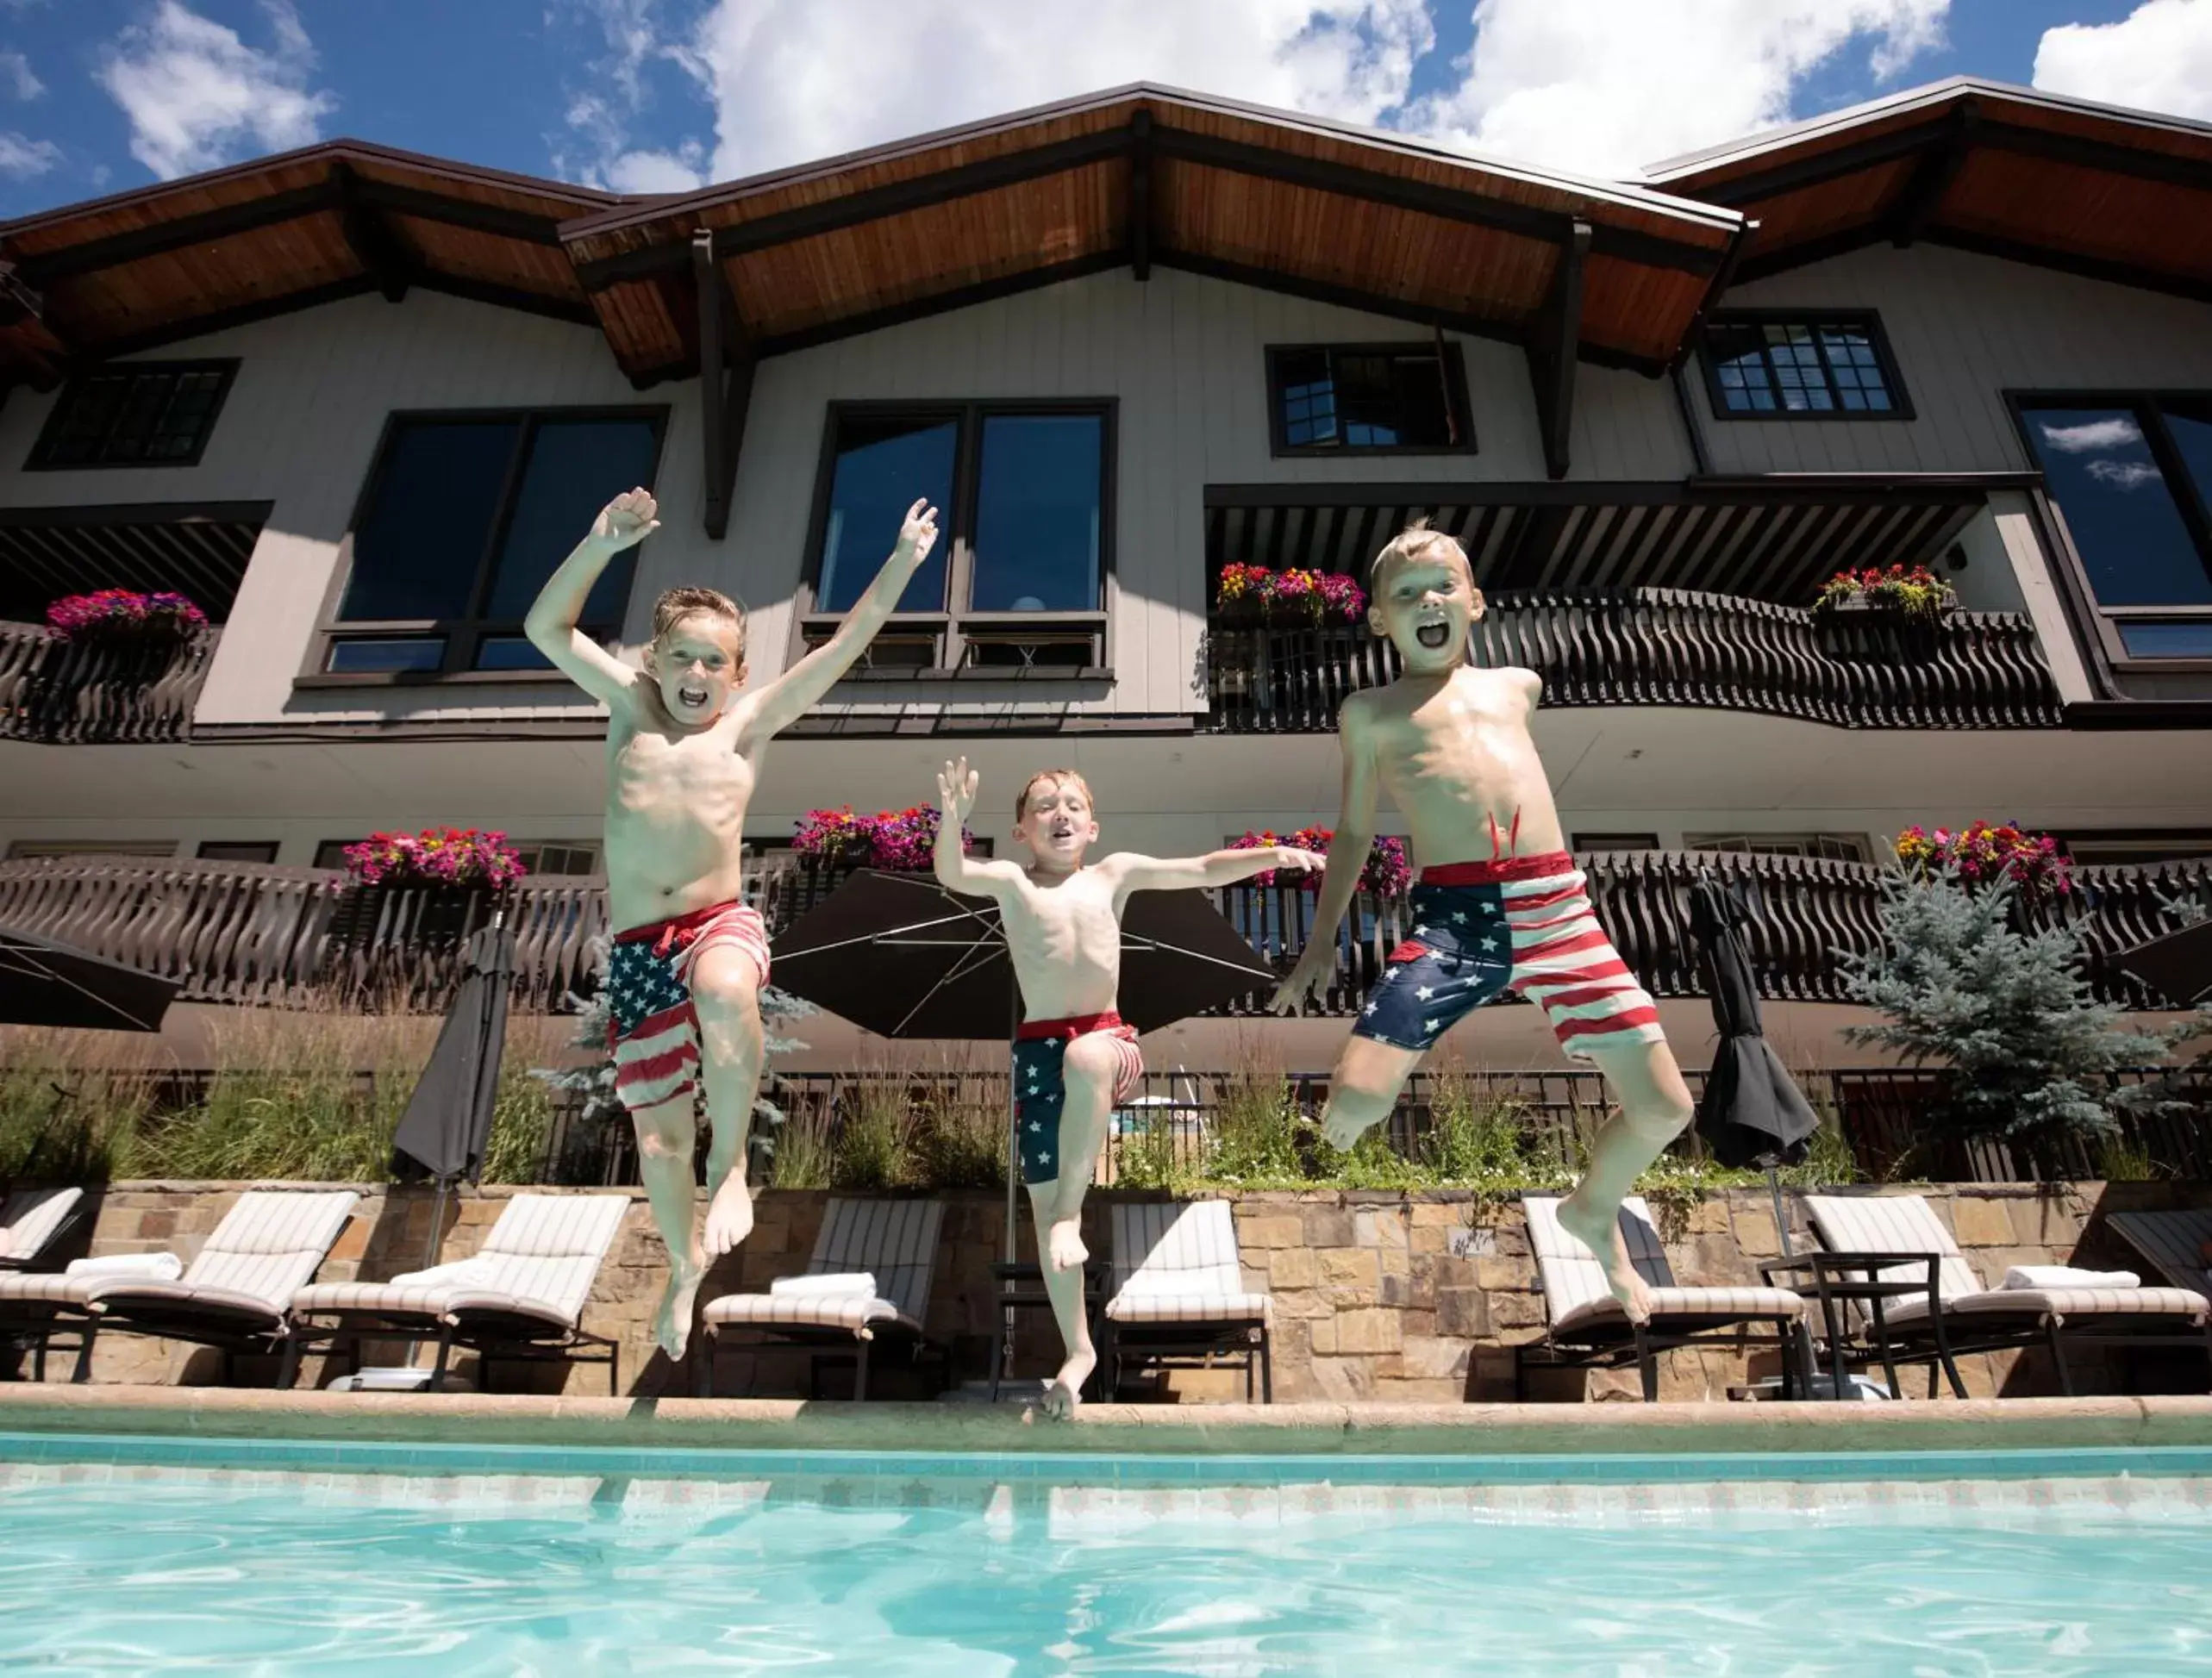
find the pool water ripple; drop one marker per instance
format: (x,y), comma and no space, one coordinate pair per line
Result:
(132,1571)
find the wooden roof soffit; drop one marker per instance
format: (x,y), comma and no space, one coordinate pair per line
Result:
(1551,349)
(725,363)
(1139,208)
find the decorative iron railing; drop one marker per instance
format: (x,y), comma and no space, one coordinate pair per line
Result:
(99,691)
(1668,646)
(249,933)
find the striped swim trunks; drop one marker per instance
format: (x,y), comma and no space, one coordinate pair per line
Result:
(1524,924)
(650,1025)
(1040,1082)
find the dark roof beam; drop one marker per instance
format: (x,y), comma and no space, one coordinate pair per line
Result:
(1139,212)
(1551,350)
(497,220)
(726,360)
(185,231)
(387,263)
(1917,201)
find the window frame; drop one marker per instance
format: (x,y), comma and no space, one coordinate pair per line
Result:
(1813,845)
(1900,402)
(41,457)
(1455,397)
(464,631)
(2193,503)
(274,848)
(950,629)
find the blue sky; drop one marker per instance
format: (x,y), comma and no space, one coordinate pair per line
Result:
(102,95)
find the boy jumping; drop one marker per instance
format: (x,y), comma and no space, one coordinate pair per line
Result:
(684,752)
(1073,1058)
(1500,905)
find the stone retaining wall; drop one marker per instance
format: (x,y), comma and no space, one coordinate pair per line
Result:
(1378,1296)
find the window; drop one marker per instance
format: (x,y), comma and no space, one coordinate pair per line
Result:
(238,851)
(2131,477)
(21,850)
(464,518)
(2139,847)
(1368,398)
(136,414)
(1793,366)
(1587,844)
(562,856)
(1017,580)
(331,853)
(1834,847)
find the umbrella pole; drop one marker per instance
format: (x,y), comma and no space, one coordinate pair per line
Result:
(1781,1218)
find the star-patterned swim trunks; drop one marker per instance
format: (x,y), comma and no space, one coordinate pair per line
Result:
(651,1024)
(1525,924)
(1040,1084)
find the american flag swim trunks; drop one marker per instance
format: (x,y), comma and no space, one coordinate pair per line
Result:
(1522,923)
(651,1024)
(1040,1082)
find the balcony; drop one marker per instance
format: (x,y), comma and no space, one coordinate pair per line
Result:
(59,692)
(241,933)
(1666,647)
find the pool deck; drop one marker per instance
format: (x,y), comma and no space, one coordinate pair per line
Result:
(758,1425)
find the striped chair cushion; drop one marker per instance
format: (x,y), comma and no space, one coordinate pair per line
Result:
(2172,1242)
(32,1217)
(383,1297)
(268,1245)
(46,1289)
(2063,1304)
(1690,1307)
(1572,1277)
(1179,1264)
(142,1293)
(1892,1223)
(894,1241)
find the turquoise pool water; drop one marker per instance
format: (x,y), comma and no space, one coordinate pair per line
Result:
(127,1555)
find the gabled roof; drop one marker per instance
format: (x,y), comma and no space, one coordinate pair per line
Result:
(1982,165)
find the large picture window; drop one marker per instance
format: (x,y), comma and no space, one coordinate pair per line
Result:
(1772,366)
(465,517)
(2132,477)
(133,414)
(1368,399)
(1017,582)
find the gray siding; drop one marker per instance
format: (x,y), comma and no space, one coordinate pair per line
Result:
(1965,329)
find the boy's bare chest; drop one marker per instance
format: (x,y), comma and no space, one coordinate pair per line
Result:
(1422,735)
(651,769)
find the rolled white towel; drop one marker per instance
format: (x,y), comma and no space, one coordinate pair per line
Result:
(2061,1275)
(462,1273)
(858,1284)
(155,1266)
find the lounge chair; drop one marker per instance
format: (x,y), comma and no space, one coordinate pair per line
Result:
(1180,1299)
(893,1241)
(1966,1318)
(31,1222)
(520,1298)
(233,1295)
(1590,1329)
(2171,1243)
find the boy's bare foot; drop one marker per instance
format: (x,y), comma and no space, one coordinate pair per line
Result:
(1598,1228)
(1064,1393)
(729,1219)
(1341,1132)
(1064,1248)
(671,1324)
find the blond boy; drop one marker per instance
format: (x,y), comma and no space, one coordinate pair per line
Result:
(1500,905)
(1073,1058)
(685,746)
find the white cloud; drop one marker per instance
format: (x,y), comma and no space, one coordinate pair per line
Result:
(17,69)
(795,80)
(2094,437)
(1602,88)
(199,97)
(2123,475)
(655,171)
(2156,57)
(22,158)
(601,120)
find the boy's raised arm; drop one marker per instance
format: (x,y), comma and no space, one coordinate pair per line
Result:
(623,522)
(798,689)
(1355,834)
(955,870)
(1216,868)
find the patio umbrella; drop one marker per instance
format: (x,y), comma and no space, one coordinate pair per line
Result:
(45,983)
(1752,1113)
(2178,966)
(902,956)
(448,1118)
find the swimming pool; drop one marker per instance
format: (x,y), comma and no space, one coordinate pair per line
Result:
(128,1554)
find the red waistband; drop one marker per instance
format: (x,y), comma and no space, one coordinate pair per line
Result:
(677,929)
(1497,873)
(1081,1024)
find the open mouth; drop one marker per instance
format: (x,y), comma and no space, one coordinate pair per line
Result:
(1062,830)
(694,697)
(1432,635)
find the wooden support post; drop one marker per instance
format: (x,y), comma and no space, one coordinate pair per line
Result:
(726,359)
(1553,350)
(1141,195)
(389,266)
(1917,202)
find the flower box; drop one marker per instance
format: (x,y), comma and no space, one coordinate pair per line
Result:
(1253,594)
(463,857)
(901,841)
(124,615)
(1386,873)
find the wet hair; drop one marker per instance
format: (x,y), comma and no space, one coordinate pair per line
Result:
(1021,801)
(1418,541)
(677,604)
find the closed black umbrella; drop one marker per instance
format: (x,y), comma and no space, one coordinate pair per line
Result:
(2178,966)
(45,983)
(1752,1113)
(447,1123)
